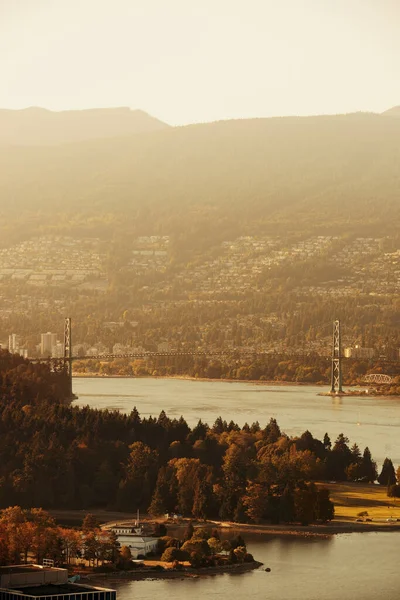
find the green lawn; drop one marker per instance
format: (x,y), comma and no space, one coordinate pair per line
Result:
(351,498)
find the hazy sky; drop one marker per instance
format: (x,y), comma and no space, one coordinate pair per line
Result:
(201,60)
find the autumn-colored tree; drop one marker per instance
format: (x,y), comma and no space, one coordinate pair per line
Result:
(171,554)
(240,553)
(71,541)
(91,547)
(125,557)
(90,523)
(4,546)
(256,501)
(21,532)
(198,546)
(215,545)
(187,471)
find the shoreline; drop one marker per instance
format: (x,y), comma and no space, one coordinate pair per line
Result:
(324,530)
(337,526)
(169,573)
(359,393)
(190,378)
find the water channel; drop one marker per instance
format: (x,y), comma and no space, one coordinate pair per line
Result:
(347,566)
(369,421)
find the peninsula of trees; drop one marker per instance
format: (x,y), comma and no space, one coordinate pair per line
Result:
(53,455)
(27,534)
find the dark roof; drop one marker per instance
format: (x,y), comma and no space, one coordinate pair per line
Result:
(54,590)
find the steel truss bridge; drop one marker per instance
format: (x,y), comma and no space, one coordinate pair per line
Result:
(379,378)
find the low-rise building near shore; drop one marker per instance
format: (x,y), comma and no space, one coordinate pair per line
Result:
(135,539)
(33,582)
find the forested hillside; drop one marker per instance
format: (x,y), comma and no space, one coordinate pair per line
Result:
(57,456)
(254,233)
(212,181)
(25,384)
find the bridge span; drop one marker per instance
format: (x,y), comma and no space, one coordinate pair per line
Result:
(336,357)
(379,378)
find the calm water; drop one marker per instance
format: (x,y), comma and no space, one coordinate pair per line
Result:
(372,422)
(349,567)
(346,567)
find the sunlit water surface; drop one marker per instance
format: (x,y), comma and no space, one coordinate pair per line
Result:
(348,567)
(358,566)
(369,421)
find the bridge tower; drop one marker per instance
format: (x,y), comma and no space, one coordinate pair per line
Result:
(336,387)
(68,352)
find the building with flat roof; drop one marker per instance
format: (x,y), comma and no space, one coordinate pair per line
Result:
(47,341)
(31,582)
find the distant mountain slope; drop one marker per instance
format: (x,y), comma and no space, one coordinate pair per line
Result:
(393,112)
(38,126)
(216,180)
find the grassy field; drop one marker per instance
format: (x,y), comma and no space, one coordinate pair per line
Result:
(349,499)
(352,498)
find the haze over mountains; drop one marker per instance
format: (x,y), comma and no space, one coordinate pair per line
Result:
(201,230)
(38,126)
(208,181)
(393,112)
(35,126)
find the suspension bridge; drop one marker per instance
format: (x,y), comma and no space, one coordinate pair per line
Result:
(336,358)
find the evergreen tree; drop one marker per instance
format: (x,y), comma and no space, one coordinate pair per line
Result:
(272,432)
(325,510)
(163,500)
(286,505)
(305,503)
(339,459)
(368,470)
(327,442)
(387,476)
(355,454)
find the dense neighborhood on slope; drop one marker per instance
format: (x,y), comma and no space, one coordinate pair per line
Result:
(249,233)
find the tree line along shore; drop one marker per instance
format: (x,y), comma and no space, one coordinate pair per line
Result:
(28,535)
(58,456)
(311,369)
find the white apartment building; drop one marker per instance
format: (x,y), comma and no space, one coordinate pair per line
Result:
(47,341)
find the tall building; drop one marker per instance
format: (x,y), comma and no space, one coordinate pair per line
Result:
(13,343)
(47,341)
(359,352)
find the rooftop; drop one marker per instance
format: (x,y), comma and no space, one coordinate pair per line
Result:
(11,569)
(53,590)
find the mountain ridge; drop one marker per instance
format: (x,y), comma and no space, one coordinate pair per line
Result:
(37,126)
(392,112)
(205,183)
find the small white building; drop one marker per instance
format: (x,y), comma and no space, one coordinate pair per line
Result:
(135,540)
